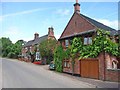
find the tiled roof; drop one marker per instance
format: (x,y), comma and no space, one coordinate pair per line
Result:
(100,25)
(36,41)
(77,34)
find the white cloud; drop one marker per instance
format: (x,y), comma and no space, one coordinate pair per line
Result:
(23,12)
(63,12)
(112,24)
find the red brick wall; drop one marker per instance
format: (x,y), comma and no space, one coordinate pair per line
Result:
(104,73)
(107,74)
(77,24)
(67,69)
(118,58)
(101,66)
(76,67)
(113,75)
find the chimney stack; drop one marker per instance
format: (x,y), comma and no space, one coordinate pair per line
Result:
(50,32)
(77,7)
(36,35)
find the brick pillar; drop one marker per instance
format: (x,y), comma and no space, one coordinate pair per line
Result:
(102,66)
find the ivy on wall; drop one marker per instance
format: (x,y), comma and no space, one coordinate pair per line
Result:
(100,43)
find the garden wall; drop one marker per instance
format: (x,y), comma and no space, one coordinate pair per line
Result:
(106,70)
(113,75)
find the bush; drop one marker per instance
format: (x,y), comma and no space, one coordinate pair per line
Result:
(11,55)
(59,55)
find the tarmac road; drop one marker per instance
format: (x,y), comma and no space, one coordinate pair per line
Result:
(18,74)
(0,73)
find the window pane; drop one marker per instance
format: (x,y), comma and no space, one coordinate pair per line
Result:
(70,41)
(37,55)
(65,64)
(68,64)
(66,43)
(85,40)
(90,40)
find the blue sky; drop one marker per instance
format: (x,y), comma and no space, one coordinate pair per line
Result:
(20,20)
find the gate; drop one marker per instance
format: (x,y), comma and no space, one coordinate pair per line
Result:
(89,68)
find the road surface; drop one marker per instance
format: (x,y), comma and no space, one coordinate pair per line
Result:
(0,73)
(18,74)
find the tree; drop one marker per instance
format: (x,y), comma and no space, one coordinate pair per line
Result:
(4,43)
(47,48)
(18,46)
(15,49)
(8,49)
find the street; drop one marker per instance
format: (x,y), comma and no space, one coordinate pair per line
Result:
(18,74)
(0,73)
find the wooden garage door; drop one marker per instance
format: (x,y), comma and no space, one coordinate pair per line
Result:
(89,68)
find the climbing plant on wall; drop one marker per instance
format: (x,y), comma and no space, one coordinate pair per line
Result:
(100,43)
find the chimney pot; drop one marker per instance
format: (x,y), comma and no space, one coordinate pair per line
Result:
(50,32)
(36,35)
(77,7)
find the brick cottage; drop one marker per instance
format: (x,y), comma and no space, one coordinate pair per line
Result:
(105,66)
(31,48)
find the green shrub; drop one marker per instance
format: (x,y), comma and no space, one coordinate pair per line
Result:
(59,55)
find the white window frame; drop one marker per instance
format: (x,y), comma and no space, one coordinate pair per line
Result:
(65,64)
(66,43)
(87,40)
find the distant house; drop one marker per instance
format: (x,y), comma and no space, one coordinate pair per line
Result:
(85,27)
(31,47)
